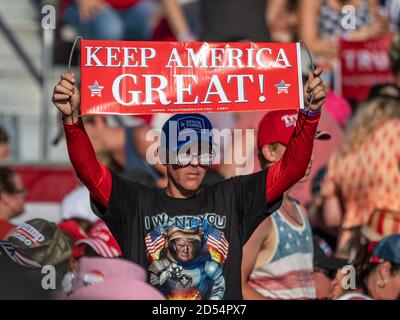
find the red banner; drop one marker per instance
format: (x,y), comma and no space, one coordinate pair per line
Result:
(47,184)
(363,65)
(125,77)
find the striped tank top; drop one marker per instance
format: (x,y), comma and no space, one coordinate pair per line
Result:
(288,273)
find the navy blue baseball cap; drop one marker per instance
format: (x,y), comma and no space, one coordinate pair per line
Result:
(388,249)
(183,129)
(323,256)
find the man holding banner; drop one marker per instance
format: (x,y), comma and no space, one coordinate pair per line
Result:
(188,236)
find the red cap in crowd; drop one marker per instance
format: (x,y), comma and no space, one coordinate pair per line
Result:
(278,126)
(73,231)
(100,240)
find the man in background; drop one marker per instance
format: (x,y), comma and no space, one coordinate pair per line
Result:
(12,199)
(325,268)
(278,257)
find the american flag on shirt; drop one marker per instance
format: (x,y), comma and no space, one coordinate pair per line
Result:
(154,241)
(17,257)
(216,240)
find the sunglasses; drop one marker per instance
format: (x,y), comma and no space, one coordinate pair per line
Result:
(22,192)
(204,159)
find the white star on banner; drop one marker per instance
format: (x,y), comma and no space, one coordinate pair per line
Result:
(95,89)
(282,87)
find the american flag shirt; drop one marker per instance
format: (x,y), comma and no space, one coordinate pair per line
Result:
(288,273)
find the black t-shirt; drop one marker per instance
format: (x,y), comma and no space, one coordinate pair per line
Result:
(191,248)
(234,20)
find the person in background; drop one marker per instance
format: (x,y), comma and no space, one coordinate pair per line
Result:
(378,271)
(384,90)
(282,20)
(99,242)
(318,216)
(241,20)
(339,287)
(20,275)
(76,214)
(322,24)
(277,259)
(235,14)
(12,199)
(112,19)
(391,10)
(5,148)
(127,146)
(44,243)
(326,267)
(181,21)
(244,151)
(363,175)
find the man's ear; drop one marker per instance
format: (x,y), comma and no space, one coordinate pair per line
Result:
(384,271)
(268,153)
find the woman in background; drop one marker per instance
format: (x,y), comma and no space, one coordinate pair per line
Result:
(377,268)
(322,24)
(363,178)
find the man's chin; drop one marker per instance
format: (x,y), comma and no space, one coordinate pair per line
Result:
(191,187)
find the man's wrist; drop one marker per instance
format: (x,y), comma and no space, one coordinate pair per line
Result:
(310,112)
(71,118)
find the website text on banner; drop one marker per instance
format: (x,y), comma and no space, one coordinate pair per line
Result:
(125,77)
(363,65)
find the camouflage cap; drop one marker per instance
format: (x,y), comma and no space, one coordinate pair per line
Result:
(42,241)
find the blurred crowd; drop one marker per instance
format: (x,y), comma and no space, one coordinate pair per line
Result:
(351,200)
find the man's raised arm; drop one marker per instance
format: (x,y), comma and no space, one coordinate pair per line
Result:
(283,174)
(94,175)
